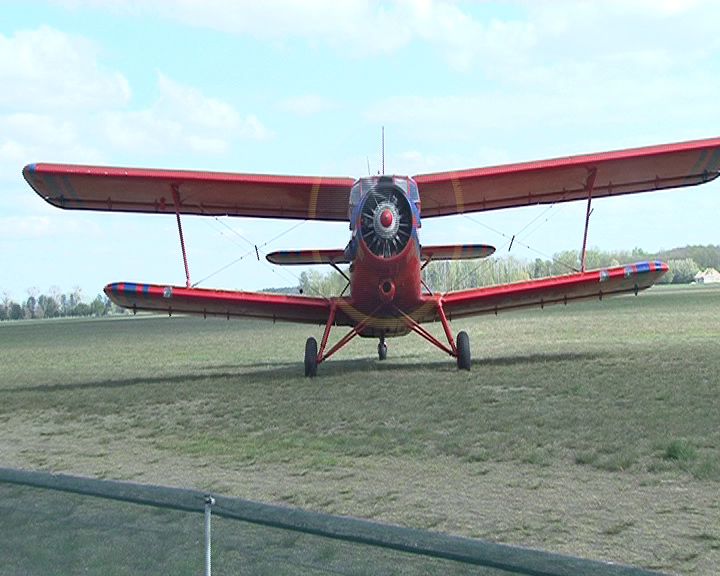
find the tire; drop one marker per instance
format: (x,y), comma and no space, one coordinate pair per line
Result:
(463,351)
(382,350)
(311,358)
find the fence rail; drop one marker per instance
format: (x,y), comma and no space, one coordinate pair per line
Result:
(508,558)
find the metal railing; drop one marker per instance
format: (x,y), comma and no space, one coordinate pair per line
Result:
(467,551)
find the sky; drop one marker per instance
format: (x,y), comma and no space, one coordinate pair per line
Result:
(305,87)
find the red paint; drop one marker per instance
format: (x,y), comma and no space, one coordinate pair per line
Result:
(386,298)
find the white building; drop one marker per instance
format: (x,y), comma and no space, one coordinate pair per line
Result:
(707,276)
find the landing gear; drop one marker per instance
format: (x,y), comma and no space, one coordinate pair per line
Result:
(463,351)
(311,358)
(458,348)
(382,348)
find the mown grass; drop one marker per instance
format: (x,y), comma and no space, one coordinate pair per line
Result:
(627,385)
(621,387)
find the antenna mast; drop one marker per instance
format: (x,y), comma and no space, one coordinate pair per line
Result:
(382,150)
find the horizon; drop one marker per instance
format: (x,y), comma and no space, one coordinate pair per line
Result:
(326,271)
(306,88)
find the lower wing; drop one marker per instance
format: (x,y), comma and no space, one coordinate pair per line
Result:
(556,290)
(225,303)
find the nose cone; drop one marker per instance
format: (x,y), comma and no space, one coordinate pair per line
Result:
(386,218)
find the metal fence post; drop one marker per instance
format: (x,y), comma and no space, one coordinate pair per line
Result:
(209,501)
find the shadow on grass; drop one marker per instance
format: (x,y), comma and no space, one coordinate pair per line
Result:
(537,358)
(121,383)
(344,367)
(276,371)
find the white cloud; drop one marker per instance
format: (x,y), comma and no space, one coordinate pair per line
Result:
(589,74)
(307,104)
(353,24)
(28,137)
(501,45)
(45,69)
(28,227)
(58,103)
(182,117)
(416,162)
(354,27)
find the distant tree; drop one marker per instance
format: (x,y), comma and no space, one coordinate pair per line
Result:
(5,306)
(16,311)
(74,298)
(683,270)
(565,262)
(705,256)
(47,307)
(63,305)
(316,283)
(82,309)
(108,305)
(640,254)
(541,268)
(668,277)
(447,275)
(97,306)
(30,306)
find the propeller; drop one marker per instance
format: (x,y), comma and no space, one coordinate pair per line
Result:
(386,219)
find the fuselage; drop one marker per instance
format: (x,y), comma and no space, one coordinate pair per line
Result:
(384,251)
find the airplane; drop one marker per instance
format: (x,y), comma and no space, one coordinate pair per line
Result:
(387,296)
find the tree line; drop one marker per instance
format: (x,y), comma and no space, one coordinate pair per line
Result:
(446,275)
(441,276)
(55,305)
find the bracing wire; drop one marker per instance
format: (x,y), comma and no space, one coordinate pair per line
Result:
(510,241)
(256,249)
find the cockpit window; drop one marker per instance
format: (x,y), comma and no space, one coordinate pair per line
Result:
(412,191)
(355,193)
(402,183)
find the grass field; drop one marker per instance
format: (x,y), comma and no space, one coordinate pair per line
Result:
(592,429)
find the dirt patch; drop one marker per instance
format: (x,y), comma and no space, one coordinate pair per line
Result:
(665,522)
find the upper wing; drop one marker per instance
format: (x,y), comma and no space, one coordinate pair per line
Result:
(206,193)
(565,179)
(557,290)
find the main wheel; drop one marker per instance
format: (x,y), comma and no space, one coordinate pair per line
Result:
(463,351)
(311,357)
(382,350)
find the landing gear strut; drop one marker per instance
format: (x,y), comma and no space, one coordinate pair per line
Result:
(382,348)
(458,348)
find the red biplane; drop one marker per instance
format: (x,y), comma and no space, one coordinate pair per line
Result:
(387,295)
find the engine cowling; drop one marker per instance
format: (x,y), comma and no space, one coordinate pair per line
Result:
(386,219)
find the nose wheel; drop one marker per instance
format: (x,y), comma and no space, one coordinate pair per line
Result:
(382,349)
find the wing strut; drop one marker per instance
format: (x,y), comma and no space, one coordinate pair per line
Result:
(589,185)
(176,200)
